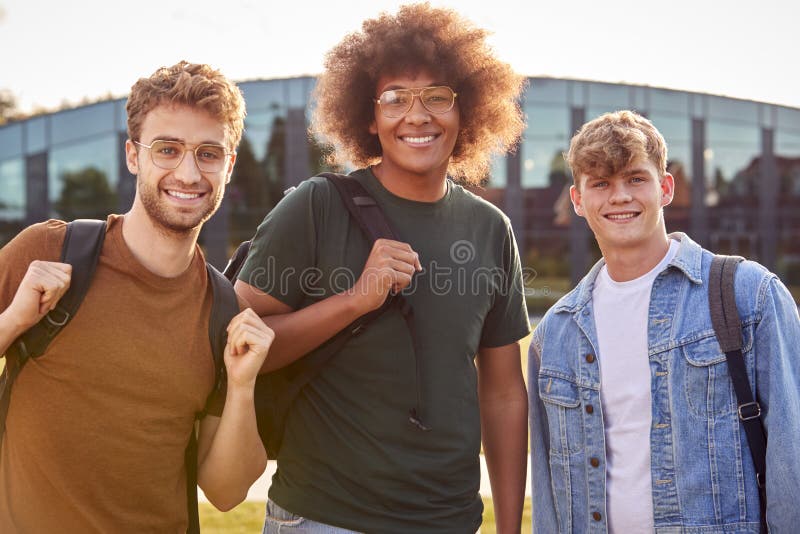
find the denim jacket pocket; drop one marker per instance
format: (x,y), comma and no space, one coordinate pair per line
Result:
(707,385)
(562,401)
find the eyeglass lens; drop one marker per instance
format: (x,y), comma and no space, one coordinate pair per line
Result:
(397,102)
(169,154)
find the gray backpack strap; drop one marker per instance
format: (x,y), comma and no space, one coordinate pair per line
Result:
(722,302)
(728,328)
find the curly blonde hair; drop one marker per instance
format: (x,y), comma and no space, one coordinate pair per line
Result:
(191,84)
(419,38)
(607,144)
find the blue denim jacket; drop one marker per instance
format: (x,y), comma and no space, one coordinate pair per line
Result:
(702,473)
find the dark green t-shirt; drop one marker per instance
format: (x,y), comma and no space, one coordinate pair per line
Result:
(350,457)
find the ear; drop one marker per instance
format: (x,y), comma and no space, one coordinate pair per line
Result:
(575,196)
(229,171)
(132,157)
(667,189)
(373,127)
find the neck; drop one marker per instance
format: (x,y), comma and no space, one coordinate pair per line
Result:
(161,251)
(626,264)
(412,186)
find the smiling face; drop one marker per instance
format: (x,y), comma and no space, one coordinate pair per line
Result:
(625,211)
(181,199)
(419,143)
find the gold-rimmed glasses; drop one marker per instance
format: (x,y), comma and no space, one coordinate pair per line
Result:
(395,103)
(168,155)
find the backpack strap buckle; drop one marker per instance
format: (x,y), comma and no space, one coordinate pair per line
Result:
(749,410)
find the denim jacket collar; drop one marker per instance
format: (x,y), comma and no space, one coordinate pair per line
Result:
(688,260)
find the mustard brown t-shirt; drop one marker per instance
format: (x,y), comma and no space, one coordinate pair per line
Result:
(98,425)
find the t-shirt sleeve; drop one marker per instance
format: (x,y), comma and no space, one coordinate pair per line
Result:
(507,320)
(283,251)
(40,241)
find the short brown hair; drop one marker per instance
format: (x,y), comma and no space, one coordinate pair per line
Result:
(607,144)
(419,37)
(191,84)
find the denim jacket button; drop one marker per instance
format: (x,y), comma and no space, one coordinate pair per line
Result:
(590,358)
(589,408)
(596,516)
(594,462)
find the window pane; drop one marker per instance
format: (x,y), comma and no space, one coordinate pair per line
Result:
(787,159)
(665,100)
(728,108)
(263,95)
(608,95)
(12,190)
(547,90)
(547,121)
(10,141)
(543,163)
(82,179)
(81,123)
(36,135)
(498,173)
(732,158)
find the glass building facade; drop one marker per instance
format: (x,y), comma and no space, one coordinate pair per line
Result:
(736,165)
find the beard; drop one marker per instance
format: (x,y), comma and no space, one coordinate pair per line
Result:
(172,219)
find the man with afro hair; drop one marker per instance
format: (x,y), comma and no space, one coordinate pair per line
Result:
(387,437)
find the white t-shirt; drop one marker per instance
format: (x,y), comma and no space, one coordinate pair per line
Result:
(621,314)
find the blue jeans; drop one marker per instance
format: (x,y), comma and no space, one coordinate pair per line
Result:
(279,521)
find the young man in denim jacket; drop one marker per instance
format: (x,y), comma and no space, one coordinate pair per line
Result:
(633,416)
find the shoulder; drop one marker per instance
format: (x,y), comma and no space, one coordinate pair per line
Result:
(478,206)
(755,287)
(39,241)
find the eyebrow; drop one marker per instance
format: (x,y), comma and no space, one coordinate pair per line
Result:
(394,87)
(181,140)
(637,170)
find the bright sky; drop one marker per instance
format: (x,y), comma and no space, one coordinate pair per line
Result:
(59,51)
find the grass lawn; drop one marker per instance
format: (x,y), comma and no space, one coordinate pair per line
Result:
(248,518)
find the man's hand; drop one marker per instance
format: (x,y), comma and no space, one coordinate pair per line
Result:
(43,285)
(389,267)
(249,340)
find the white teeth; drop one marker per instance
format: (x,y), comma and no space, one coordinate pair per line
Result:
(187,196)
(622,216)
(419,140)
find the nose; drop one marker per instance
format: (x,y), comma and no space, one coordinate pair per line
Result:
(417,114)
(188,172)
(619,194)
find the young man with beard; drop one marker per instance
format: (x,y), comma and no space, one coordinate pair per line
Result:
(98,425)
(634,420)
(386,438)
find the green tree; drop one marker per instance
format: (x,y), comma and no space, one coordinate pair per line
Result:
(86,194)
(8,106)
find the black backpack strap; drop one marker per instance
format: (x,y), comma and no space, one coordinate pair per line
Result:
(373,223)
(362,207)
(82,245)
(224,307)
(235,264)
(728,328)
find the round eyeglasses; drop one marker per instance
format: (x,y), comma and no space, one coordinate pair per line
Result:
(397,102)
(168,155)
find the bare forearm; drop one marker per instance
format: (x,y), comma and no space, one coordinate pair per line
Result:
(299,332)
(9,331)
(504,432)
(235,457)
